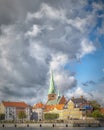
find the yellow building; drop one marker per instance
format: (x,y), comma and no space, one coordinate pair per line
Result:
(2,108)
(72,112)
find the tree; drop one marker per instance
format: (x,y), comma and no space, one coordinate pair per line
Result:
(2,116)
(51,116)
(95,105)
(21,115)
(97,114)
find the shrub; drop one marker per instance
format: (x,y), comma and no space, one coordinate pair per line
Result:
(51,116)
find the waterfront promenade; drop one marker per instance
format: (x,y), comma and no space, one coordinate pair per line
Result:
(75,123)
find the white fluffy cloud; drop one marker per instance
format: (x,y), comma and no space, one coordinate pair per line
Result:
(87,47)
(82,24)
(34,31)
(77,92)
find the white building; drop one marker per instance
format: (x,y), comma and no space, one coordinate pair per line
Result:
(12,109)
(37,111)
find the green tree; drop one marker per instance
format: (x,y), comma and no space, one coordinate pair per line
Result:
(95,105)
(97,114)
(51,116)
(2,116)
(22,115)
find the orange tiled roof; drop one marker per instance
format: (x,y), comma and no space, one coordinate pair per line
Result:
(14,104)
(39,105)
(51,107)
(59,106)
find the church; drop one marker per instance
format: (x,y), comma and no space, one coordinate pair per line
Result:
(53,97)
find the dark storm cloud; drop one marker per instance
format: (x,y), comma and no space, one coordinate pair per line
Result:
(14,10)
(22,75)
(9,92)
(6,9)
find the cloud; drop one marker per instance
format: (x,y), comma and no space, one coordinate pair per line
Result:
(88,83)
(62,28)
(94,94)
(82,24)
(39,36)
(101,79)
(98,6)
(87,47)
(65,81)
(17,66)
(34,31)
(48,12)
(101,30)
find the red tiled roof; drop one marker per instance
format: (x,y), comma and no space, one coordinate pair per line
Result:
(14,104)
(63,100)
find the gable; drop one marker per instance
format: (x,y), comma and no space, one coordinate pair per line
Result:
(70,103)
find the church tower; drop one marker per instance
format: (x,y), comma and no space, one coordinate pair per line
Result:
(52,91)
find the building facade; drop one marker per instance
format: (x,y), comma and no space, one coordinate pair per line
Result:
(11,110)
(37,112)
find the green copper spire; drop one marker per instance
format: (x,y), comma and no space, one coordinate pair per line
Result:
(51,87)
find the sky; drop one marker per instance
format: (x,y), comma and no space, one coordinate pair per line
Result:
(39,36)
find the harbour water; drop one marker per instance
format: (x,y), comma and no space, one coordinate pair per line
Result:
(70,128)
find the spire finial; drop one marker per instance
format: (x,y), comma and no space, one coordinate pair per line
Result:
(51,87)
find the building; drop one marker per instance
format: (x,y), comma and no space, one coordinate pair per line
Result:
(12,109)
(58,108)
(72,112)
(37,111)
(77,108)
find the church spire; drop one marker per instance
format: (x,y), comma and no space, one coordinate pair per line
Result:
(51,87)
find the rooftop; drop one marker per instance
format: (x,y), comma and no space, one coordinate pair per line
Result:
(79,100)
(38,105)
(51,107)
(14,104)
